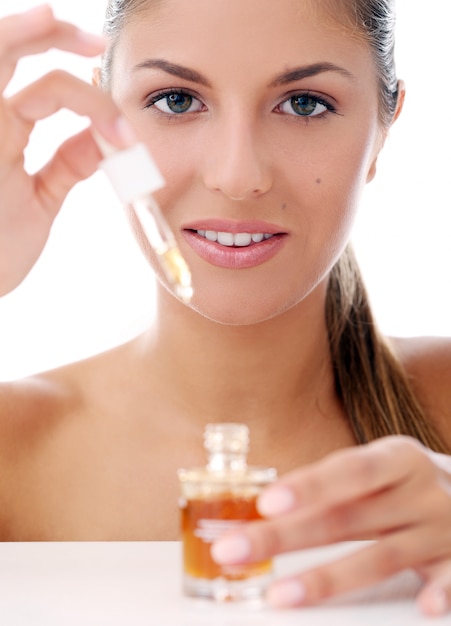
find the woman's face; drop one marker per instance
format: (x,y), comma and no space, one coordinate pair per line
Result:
(263,119)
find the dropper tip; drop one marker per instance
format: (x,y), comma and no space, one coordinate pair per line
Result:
(185,293)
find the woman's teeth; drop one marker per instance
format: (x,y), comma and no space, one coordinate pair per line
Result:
(233,239)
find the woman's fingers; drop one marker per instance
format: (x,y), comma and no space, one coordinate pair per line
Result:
(371,517)
(435,596)
(54,181)
(37,31)
(65,169)
(353,494)
(345,475)
(58,90)
(78,158)
(363,568)
(390,491)
(75,159)
(30,203)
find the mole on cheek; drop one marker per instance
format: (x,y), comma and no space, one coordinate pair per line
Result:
(318,181)
(284,206)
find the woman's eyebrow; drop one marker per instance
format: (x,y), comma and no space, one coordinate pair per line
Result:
(174,69)
(306,71)
(297,73)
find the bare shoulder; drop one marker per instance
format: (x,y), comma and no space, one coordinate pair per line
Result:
(55,393)
(38,402)
(35,408)
(49,422)
(31,412)
(28,407)
(427,361)
(24,398)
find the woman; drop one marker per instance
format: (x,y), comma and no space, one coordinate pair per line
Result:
(266,120)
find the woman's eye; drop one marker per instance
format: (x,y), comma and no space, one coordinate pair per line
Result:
(304,105)
(174,103)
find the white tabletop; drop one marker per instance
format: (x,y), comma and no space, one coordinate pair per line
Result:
(134,584)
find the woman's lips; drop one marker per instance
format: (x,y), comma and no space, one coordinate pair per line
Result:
(237,247)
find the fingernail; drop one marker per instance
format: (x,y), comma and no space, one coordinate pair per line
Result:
(36,13)
(125,132)
(275,501)
(91,39)
(231,549)
(438,602)
(286,593)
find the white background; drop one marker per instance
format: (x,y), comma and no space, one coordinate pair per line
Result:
(91,289)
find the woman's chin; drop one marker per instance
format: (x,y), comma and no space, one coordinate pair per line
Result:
(237,305)
(230,313)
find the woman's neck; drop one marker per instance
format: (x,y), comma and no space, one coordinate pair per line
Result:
(256,372)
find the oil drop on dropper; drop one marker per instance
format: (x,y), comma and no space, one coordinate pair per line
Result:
(215,499)
(134,177)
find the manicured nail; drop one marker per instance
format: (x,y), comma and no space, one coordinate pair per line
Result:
(231,549)
(37,13)
(91,39)
(438,602)
(286,594)
(275,501)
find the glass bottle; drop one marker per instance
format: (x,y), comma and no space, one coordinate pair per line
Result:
(215,499)
(135,177)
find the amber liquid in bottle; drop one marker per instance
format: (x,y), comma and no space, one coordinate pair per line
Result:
(214,500)
(203,521)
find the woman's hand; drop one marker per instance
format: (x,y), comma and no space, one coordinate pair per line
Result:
(393,490)
(29,204)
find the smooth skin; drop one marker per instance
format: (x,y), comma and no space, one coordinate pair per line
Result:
(90,450)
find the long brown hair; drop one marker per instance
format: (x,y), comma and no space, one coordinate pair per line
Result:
(372,384)
(370,381)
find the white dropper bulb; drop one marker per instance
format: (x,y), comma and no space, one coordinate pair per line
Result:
(132,172)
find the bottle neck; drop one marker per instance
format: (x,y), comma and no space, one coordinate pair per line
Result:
(226,462)
(227,445)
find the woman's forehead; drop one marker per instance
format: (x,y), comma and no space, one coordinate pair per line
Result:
(324,11)
(254,28)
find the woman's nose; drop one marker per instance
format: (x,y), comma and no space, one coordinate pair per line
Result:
(237,164)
